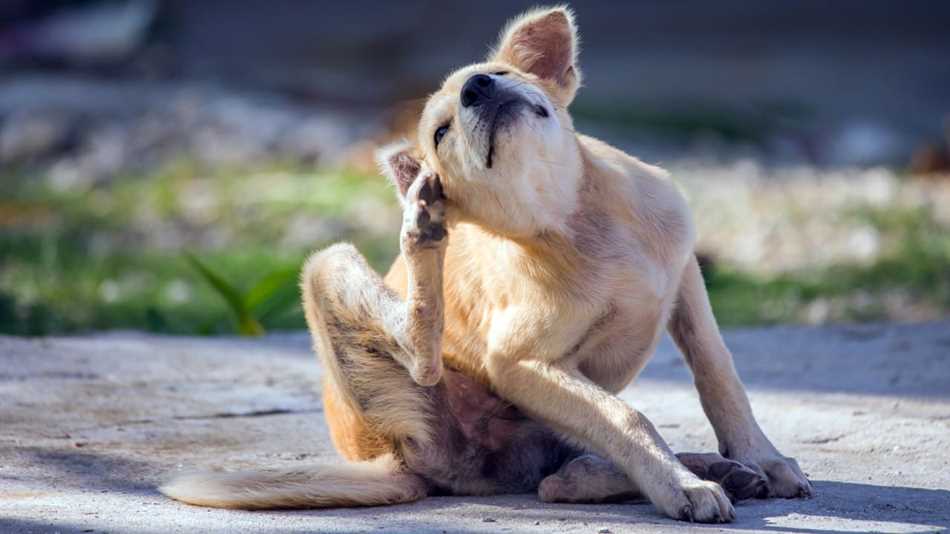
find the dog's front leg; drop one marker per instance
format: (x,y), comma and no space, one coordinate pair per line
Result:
(558,394)
(592,479)
(723,397)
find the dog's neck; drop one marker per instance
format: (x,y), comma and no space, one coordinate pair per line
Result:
(548,255)
(529,205)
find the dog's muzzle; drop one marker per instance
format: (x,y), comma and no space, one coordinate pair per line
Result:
(493,106)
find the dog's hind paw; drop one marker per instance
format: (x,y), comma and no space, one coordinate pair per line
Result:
(739,481)
(423,224)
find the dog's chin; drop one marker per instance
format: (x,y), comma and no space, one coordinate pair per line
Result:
(503,120)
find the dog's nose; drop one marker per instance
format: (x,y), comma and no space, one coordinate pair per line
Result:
(478,89)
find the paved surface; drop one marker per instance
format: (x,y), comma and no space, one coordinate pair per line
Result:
(90,425)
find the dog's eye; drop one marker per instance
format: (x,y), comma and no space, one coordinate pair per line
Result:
(500,73)
(440,133)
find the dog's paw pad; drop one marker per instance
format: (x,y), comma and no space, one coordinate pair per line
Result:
(424,218)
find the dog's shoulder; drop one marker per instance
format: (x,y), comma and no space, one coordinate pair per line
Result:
(642,197)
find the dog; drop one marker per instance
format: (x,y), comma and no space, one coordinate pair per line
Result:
(538,270)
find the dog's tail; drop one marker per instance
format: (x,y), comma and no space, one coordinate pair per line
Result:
(372,483)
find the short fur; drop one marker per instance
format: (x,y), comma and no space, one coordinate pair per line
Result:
(489,359)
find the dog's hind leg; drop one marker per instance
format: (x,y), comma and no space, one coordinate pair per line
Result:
(341,291)
(367,337)
(588,479)
(359,332)
(371,403)
(592,479)
(740,481)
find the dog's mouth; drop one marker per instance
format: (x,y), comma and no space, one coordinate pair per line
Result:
(495,116)
(503,116)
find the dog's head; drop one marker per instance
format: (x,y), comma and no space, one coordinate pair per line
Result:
(498,133)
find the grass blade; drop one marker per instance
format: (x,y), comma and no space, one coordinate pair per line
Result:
(247,325)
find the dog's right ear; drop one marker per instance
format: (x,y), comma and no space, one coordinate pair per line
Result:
(399,163)
(543,42)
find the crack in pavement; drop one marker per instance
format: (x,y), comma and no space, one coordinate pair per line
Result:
(253,413)
(203,417)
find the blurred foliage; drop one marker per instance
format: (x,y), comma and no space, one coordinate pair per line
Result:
(113,255)
(272,289)
(914,271)
(752,124)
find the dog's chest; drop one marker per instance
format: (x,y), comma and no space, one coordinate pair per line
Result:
(604,312)
(636,295)
(619,343)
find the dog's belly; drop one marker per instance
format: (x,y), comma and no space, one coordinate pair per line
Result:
(480,444)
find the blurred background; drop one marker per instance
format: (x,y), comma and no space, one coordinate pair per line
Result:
(167,165)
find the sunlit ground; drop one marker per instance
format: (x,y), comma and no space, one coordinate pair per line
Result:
(784,246)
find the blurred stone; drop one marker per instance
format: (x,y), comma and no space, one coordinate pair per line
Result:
(317,139)
(772,220)
(91,33)
(864,243)
(29,136)
(865,143)
(84,131)
(305,230)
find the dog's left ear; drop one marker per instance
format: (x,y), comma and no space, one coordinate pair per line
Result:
(543,42)
(399,163)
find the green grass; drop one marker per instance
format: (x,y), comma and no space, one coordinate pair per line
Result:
(117,256)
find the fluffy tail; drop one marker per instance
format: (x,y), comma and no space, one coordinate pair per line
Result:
(370,483)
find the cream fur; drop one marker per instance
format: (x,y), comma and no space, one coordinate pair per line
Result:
(376,482)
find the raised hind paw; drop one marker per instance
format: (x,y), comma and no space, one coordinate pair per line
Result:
(423,224)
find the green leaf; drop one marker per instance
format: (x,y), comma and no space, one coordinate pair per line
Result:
(228,292)
(247,325)
(269,286)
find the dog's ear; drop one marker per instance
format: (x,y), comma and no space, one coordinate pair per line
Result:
(543,42)
(399,163)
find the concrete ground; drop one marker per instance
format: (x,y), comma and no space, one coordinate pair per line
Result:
(90,425)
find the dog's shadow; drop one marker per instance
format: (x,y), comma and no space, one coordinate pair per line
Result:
(838,507)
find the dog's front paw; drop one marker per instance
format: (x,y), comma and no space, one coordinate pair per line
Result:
(695,500)
(423,224)
(785,478)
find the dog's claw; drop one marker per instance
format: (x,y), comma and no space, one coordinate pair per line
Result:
(686,513)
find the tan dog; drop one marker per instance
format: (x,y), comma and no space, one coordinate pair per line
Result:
(566,260)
